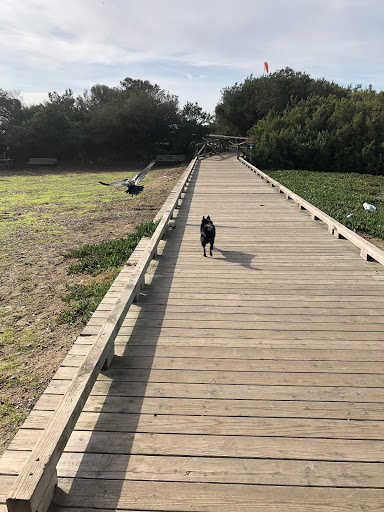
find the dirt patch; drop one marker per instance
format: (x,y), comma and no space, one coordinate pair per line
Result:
(33,275)
(378,242)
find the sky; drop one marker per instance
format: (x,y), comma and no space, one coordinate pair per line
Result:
(191,49)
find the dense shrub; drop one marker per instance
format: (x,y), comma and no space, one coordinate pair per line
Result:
(304,123)
(324,134)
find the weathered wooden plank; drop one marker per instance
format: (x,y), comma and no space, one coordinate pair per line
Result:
(6,482)
(328,335)
(288,391)
(281,448)
(255,305)
(219,470)
(115,494)
(237,365)
(224,407)
(234,378)
(263,295)
(246,318)
(282,289)
(250,352)
(276,324)
(215,425)
(285,343)
(325,310)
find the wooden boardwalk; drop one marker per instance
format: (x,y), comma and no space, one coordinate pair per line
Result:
(252,380)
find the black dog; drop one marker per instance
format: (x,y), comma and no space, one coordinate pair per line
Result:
(208,232)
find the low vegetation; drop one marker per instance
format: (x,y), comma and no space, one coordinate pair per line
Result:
(103,260)
(96,258)
(340,195)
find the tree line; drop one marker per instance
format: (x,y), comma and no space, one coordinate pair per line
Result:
(298,122)
(136,119)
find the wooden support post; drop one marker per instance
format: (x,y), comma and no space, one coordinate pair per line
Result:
(366,256)
(338,235)
(40,500)
(109,357)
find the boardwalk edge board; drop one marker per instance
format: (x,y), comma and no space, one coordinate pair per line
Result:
(368,251)
(33,489)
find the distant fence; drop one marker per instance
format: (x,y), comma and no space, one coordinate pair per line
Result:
(211,147)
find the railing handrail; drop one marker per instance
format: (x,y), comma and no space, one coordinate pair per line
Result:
(227,136)
(368,251)
(34,487)
(211,147)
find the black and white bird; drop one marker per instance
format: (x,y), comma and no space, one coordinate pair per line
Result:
(132,184)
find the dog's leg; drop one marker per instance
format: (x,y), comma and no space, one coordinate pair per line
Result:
(203,242)
(210,249)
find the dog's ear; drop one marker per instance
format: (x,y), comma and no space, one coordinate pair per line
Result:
(203,217)
(208,218)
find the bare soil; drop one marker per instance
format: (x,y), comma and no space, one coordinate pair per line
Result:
(33,275)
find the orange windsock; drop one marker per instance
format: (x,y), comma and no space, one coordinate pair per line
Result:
(266,66)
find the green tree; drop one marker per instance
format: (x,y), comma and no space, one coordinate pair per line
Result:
(243,105)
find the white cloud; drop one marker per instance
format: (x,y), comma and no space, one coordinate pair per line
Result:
(46,43)
(33,98)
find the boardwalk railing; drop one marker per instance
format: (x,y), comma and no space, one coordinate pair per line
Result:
(211,147)
(33,489)
(368,251)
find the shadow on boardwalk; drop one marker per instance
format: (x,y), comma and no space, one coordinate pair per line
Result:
(118,420)
(240,258)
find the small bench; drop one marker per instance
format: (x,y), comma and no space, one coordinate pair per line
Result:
(7,163)
(42,161)
(170,158)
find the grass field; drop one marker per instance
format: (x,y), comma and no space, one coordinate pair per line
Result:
(42,201)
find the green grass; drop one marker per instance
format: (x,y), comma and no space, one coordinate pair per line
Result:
(340,195)
(9,415)
(21,340)
(39,202)
(95,259)
(107,257)
(83,300)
